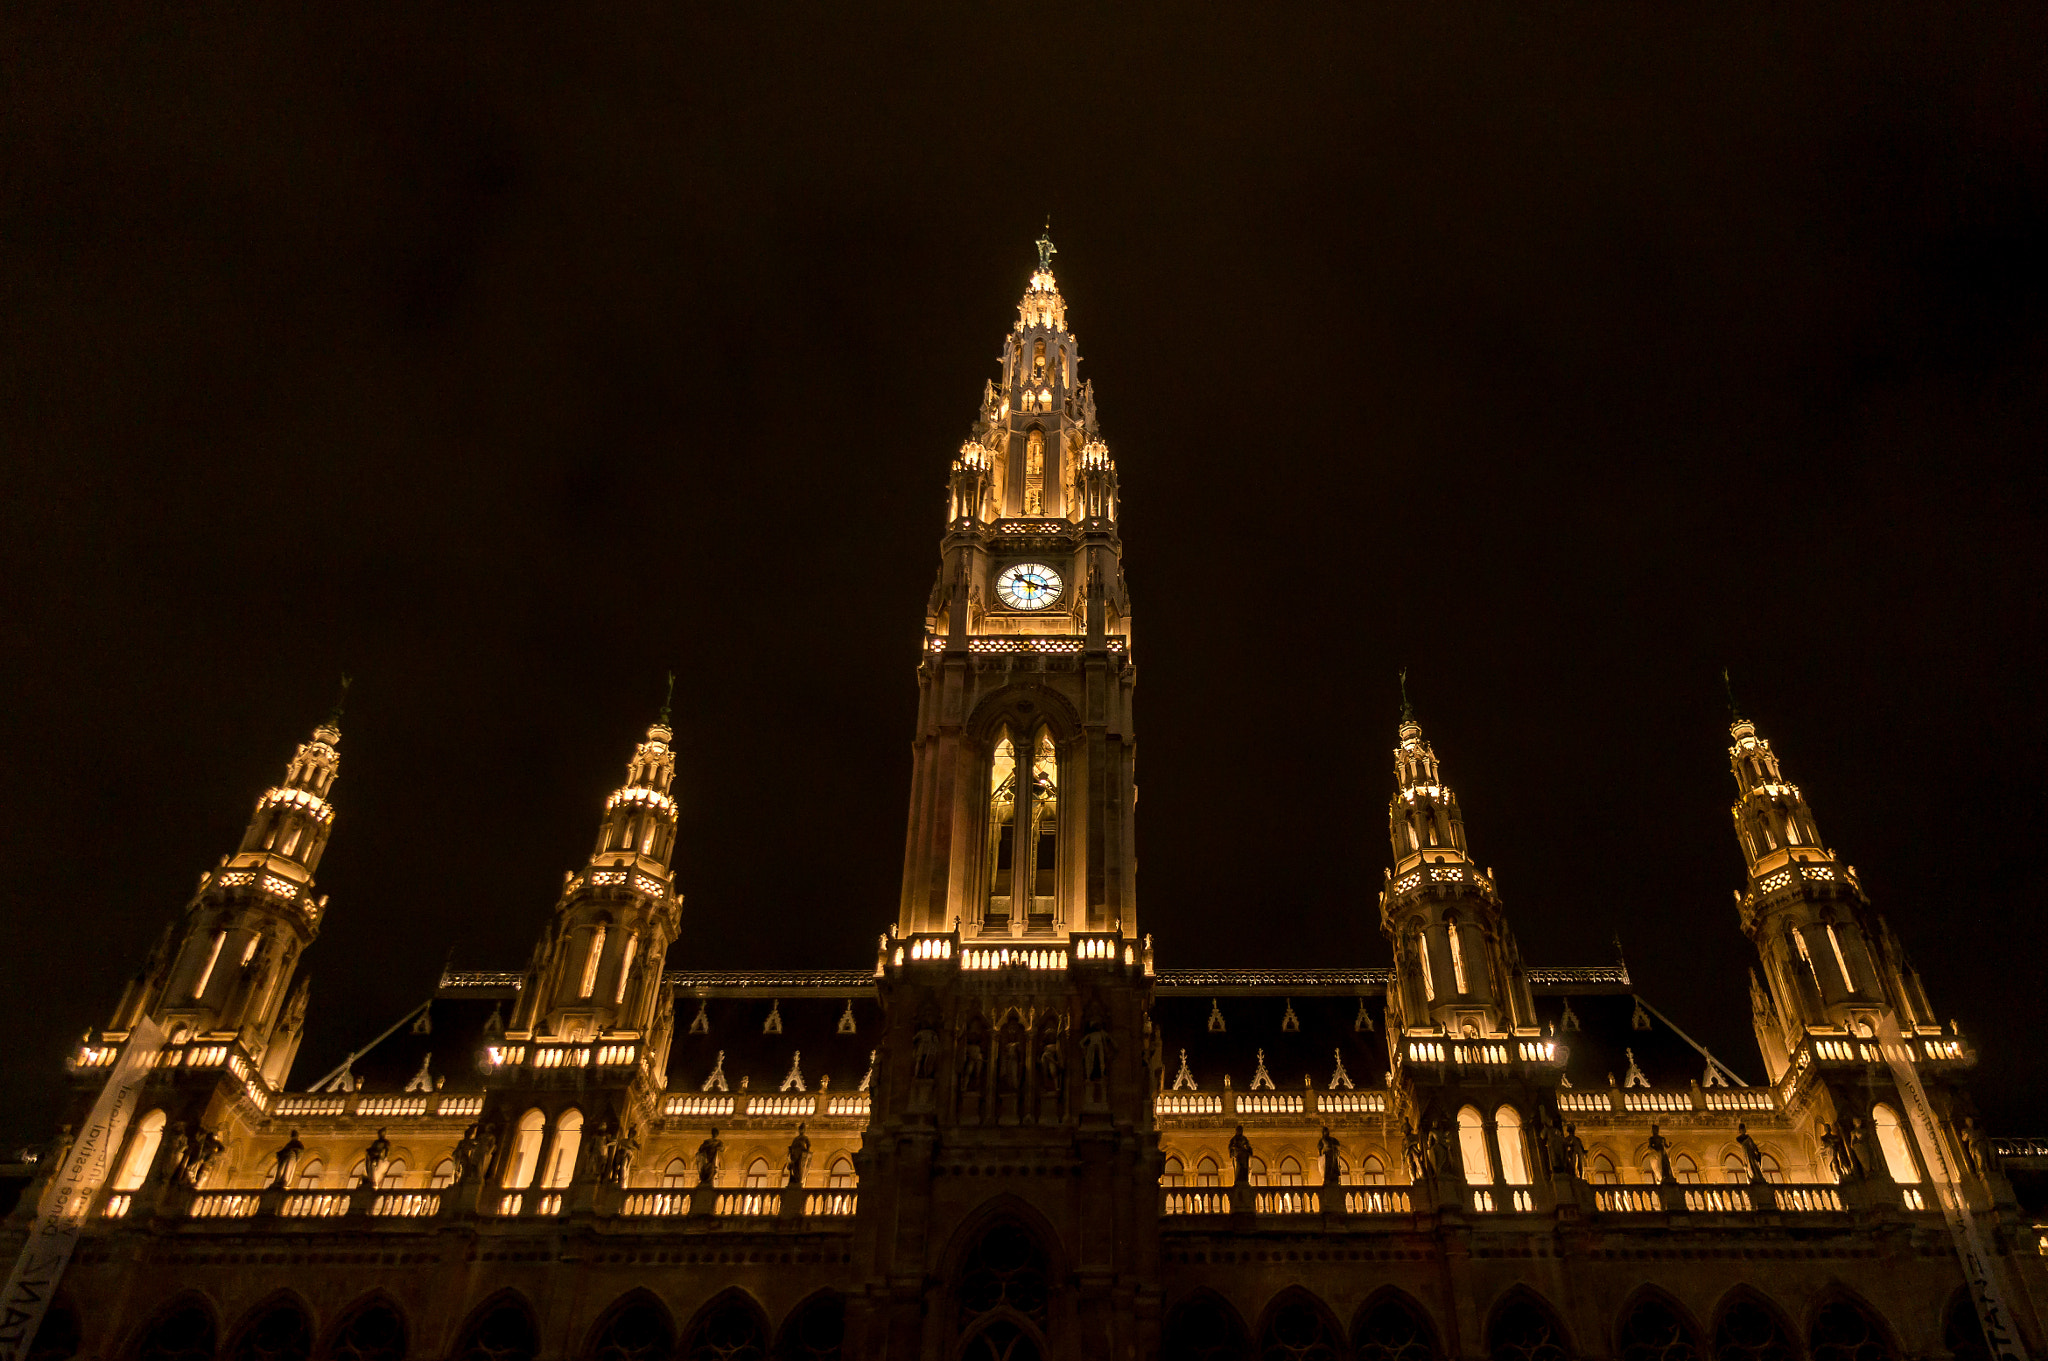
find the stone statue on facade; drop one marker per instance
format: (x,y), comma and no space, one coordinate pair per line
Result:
(924,1052)
(1750,1151)
(1241,1157)
(374,1158)
(1573,1152)
(970,1063)
(1660,1152)
(284,1162)
(1010,1065)
(1095,1051)
(1972,1145)
(799,1155)
(1411,1149)
(205,1151)
(619,1164)
(177,1145)
(1840,1161)
(709,1155)
(1332,1154)
(465,1155)
(1052,1069)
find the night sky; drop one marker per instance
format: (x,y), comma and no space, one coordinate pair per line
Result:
(1562,359)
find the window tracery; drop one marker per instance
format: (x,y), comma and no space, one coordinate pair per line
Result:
(1006,1269)
(1749,1332)
(815,1332)
(279,1332)
(1297,1331)
(374,1332)
(504,1333)
(636,1331)
(731,1331)
(1524,1332)
(1843,1331)
(1392,1330)
(1653,1331)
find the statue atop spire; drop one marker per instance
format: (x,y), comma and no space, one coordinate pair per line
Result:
(1728,687)
(1046,249)
(1407,709)
(668,700)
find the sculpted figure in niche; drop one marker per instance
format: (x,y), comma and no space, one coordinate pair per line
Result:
(374,1158)
(1750,1151)
(204,1152)
(1241,1157)
(710,1154)
(1660,1153)
(465,1155)
(1051,1067)
(1859,1146)
(1411,1149)
(1545,1129)
(1095,1051)
(799,1156)
(284,1161)
(971,1062)
(1010,1064)
(619,1166)
(176,1152)
(924,1052)
(1332,1154)
(1574,1152)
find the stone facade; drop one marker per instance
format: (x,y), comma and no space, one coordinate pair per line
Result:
(1014,1133)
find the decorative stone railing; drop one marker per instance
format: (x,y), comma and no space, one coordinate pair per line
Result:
(1306,1102)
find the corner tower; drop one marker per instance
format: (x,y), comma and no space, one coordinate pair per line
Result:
(1023,778)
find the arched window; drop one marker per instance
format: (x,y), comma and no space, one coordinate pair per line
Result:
(676,1174)
(520,1167)
(1393,1330)
(1290,1173)
(1734,1168)
(1685,1169)
(373,1332)
(182,1332)
(839,1175)
(279,1331)
(1204,1329)
(730,1329)
(1472,1147)
(503,1332)
(310,1174)
(815,1332)
(1207,1172)
(1772,1172)
(356,1173)
(1514,1156)
(1891,1138)
(1750,1332)
(1001,1340)
(1653,1331)
(1006,1269)
(1372,1172)
(142,1147)
(443,1175)
(1600,1171)
(1524,1331)
(1844,1331)
(1255,1172)
(1296,1330)
(568,1139)
(391,1176)
(1002,827)
(1962,1332)
(1173,1173)
(635,1329)
(757,1174)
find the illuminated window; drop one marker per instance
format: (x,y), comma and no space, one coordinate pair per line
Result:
(1207,1173)
(839,1176)
(568,1139)
(626,966)
(1601,1171)
(1891,1139)
(1255,1172)
(1514,1156)
(149,1135)
(1002,828)
(1472,1147)
(392,1175)
(676,1174)
(1457,955)
(1372,1172)
(1289,1173)
(443,1175)
(757,1173)
(519,1168)
(1685,1169)
(212,958)
(1428,983)
(1174,1173)
(310,1174)
(591,959)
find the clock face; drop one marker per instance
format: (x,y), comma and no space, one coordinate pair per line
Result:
(1028,586)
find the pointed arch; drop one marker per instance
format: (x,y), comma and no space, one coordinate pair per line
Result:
(278,1327)
(731,1326)
(1844,1327)
(502,1328)
(1204,1327)
(1005,1269)
(1962,1332)
(637,1327)
(371,1329)
(815,1330)
(1523,1327)
(1004,1339)
(1297,1326)
(1393,1326)
(1653,1326)
(182,1329)
(1748,1326)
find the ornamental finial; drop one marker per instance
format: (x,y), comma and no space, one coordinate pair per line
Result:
(340,700)
(1407,709)
(1046,249)
(668,699)
(1728,686)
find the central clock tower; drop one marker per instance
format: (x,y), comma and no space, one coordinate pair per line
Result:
(1023,787)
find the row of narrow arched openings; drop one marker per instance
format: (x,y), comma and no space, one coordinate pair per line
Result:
(1296,1326)
(637,1327)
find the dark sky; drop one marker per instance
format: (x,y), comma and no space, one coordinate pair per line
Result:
(508,363)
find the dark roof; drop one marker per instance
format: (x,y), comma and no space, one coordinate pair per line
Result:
(1326,1025)
(1605,1031)
(446,1032)
(810,1026)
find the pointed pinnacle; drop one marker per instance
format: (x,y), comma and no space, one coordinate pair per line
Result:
(340,701)
(1407,709)
(668,700)
(1728,686)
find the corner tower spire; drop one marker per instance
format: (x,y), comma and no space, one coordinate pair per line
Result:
(1022,794)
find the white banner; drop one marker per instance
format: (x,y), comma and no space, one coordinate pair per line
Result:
(1980,1271)
(68,1198)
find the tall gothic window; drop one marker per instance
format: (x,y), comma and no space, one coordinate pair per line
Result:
(1034,473)
(1843,1331)
(1962,1332)
(637,1329)
(1297,1331)
(1006,1272)
(1023,828)
(503,1332)
(1653,1331)
(730,1330)
(1045,827)
(815,1332)
(279,1331)
(1750,1332)
(1472,1147)
(1524,1331)
(1393,1330)
(1002,829)
(1204,1329)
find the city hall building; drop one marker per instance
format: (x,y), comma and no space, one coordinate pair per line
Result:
(1017,1132)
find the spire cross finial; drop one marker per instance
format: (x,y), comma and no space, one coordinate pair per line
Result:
(1734,709)
(1407,709)
(1046,249)
(340,700)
